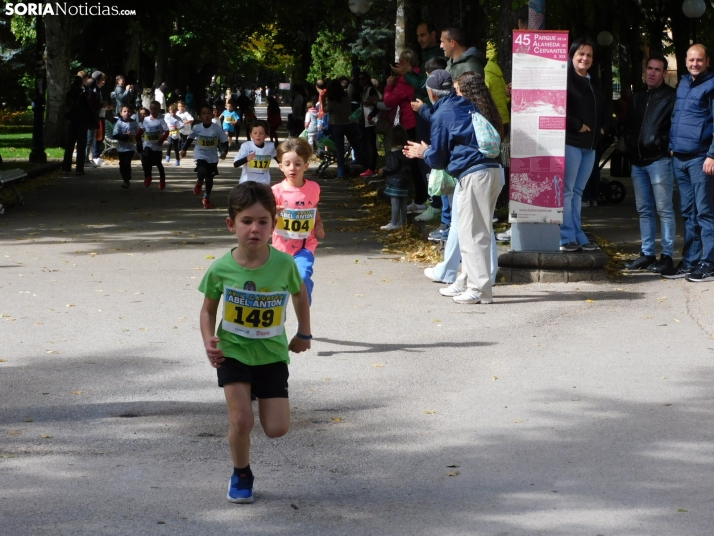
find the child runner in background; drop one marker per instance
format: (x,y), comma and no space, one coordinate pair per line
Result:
(298,218)
(275,120)
(254,156)
(217,118)
(125,131)
(209,136)
(398,175)
(186,119)
(173,121)
(311,125)
(230,117)
(154,131)
(250,118)
(250,350)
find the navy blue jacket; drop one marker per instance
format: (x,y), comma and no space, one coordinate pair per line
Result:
(454,146)
(693,116)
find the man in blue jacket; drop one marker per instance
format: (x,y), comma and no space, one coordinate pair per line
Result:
(692,145)
(454,147)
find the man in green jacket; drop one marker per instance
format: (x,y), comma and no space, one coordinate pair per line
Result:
(461,58)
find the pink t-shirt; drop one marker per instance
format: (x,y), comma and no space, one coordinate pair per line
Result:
(297,209)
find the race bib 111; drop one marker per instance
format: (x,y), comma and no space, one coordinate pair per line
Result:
(296,223)
(255,315)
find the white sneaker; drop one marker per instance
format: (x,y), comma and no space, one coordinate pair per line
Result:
(451,291)
(470,296)
(504,236)
(390,227)
(429,272)
(99,161)
(413,207)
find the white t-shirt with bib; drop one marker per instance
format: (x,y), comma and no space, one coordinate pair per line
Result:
(258,169)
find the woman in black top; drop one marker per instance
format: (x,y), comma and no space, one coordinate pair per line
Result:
(585,120)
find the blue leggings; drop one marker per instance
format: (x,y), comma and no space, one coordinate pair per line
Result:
(305,261)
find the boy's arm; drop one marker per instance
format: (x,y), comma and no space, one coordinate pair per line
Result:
(208,332)
(319,228)
(301,303)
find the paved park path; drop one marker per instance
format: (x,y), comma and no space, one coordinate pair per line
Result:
(578,409)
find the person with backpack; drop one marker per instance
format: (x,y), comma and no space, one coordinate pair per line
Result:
(456,148)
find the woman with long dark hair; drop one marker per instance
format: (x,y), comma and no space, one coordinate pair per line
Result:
(585,125)
(473,87)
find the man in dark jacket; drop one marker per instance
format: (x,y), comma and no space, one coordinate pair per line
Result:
(461,58)
(647,125)
(454,147)
(79,115)
(691,142)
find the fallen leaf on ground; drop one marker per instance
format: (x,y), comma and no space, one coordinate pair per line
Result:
(337,419)
(356,261)
(518,421)
(453,465)
(15,432)
(682,510)
(359,295)
(52,352)
(677,320)
(428,412)
(69,305)
(590,301)
(77,392)
(378,365)
(369,273)
(210,257)
(45,436)
(8,455)
(495,377)
(453,473)
(29,419)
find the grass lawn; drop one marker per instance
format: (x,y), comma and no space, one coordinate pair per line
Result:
(19,145)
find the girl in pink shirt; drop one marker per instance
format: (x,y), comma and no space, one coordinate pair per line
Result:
(299,220)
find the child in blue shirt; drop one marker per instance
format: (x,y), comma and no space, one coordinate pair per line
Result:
(230,118)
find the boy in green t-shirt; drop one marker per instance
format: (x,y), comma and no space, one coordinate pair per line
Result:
(250,350)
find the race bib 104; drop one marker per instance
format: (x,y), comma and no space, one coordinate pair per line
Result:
(260,163)
(208,141)
(255,315)
(296,222)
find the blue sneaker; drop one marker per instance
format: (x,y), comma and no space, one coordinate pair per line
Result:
(240,489)
(168,159)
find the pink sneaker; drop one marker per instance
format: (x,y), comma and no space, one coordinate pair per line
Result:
(367,173)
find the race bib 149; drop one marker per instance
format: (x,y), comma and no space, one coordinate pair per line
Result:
(255,315)
(295,222)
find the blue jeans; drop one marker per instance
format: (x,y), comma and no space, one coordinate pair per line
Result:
(653,186)
(446,203)
(578,166)
(696,194)
(305,261)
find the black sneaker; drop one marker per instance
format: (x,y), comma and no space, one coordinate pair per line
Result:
(678,272)
(701,274)
(570,247)
(590,246)
(663,266)
(644,261)
(125,185)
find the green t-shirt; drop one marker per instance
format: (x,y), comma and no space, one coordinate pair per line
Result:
(253,306)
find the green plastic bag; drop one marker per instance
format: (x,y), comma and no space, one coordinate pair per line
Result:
(303,134)
(356,116)
(441,183)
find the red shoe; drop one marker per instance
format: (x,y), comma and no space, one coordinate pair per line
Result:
(367,173)
(197,188)
(207,203)
(147,181)
(162,184)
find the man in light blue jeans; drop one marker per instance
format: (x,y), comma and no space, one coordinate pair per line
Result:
(646,132)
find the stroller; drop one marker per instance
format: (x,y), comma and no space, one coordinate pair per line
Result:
(327,153)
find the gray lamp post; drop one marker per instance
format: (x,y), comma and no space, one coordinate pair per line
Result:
(37,153)
(693,9)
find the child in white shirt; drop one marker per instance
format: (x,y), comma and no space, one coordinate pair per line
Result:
(254,156)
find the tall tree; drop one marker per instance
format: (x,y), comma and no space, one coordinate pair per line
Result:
(58,32)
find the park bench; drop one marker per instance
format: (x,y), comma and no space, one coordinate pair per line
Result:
(10,178)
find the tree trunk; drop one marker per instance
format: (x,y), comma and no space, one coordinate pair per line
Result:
(507,22)
(132,55)
(399,33)
(161,64)
(58,31)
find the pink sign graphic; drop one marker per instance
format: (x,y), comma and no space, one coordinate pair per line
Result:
(538,109)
